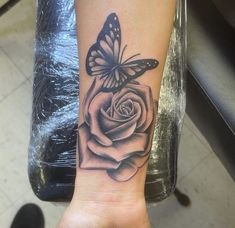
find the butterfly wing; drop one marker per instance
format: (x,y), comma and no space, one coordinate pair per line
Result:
(104,54)
(126,72)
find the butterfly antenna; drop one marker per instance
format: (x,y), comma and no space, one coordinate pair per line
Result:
(133,56)
(122,53)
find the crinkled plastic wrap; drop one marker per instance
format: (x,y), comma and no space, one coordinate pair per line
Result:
(162,168)
(52,150)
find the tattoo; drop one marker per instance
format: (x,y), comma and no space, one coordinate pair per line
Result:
(118,111)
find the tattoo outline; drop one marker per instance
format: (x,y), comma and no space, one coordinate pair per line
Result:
(118,111)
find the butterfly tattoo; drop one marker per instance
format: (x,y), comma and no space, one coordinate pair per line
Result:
(105,58)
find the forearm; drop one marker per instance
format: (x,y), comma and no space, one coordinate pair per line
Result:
(117,100)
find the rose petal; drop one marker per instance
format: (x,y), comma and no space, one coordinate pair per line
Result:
(93,90)
(87,159)
(138,161)
(150,139)
(132,95)
(120,94)
(118,114)
(127,129)
(146,94)
(107,122)
(128,168)
(99,101)
(124,173)
(120,149)
(122,132)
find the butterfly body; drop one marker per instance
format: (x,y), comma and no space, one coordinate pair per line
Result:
(105,58)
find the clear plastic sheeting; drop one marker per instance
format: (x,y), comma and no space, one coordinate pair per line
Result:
(162,169)
(52,150)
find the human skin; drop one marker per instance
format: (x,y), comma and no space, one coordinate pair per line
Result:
(117,108)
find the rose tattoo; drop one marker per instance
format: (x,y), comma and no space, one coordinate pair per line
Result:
(118,111)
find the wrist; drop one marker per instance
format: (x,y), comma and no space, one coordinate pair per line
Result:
(89,213)
(101,202)
(96,187)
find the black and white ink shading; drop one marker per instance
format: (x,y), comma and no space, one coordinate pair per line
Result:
(116,133)
(105,58)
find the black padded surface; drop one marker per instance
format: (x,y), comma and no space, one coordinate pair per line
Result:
(52,150)
(211,57)
(211,78)
(227,9)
